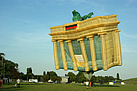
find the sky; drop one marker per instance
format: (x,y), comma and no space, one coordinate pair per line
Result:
(25,25)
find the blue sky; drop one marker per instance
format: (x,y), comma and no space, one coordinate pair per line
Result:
(25,25)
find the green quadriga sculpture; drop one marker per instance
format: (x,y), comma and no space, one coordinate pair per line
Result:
(77,16)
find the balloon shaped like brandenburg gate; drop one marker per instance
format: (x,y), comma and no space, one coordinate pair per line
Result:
(89,45)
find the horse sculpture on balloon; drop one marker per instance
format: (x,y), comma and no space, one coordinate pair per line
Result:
(77,16)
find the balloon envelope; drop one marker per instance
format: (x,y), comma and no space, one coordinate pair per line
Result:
(88,45)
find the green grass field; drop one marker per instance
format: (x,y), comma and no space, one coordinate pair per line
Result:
(67,87)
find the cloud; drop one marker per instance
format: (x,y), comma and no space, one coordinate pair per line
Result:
(31,38)
(129,36)
(129,2)
(129,50)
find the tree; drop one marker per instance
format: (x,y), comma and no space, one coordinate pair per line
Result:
(44,73)
(93,79)
(51,73)
(78,75)
(99,78)
(39,77)
(29,70)
(59,79)
(80,78)
(14,74)
(45,78)
(22,76)
(30,75)
(106,79)
(72,76)
(9,69)
(54,78)
(117,76)
(111,78)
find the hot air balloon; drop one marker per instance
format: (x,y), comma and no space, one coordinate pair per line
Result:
(88,46)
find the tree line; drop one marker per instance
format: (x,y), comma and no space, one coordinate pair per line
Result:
(80,78)
(51,75)
(10,70)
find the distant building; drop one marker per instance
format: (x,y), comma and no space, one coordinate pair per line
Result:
(50,81)
(65,79)
(122,83)
(111,83)
(33,80)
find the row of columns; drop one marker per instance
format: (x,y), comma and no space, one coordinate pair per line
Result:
(92,50)
(105,63)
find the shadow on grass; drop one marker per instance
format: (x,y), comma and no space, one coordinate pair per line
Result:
(107,86)
(36,84)
(30,84)
(102,85)
(10,89)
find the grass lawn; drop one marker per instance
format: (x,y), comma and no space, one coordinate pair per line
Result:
(67,87)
